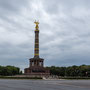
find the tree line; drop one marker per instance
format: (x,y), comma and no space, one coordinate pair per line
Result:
(72,71)
(80,71)
(9,70)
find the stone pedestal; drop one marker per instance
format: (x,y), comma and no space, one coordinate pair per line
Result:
(36,67)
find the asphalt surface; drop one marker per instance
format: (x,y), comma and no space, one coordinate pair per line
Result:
(44,84)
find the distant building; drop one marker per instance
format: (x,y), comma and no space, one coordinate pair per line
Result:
(36,66)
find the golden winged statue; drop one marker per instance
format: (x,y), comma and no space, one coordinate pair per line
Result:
(37,27)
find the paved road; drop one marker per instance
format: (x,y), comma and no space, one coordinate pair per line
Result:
(44,84)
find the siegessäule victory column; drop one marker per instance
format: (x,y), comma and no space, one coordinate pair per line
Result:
(36,66)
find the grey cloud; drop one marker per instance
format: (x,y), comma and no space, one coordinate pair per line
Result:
(12,5)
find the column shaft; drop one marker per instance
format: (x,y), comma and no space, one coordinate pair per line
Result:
(36,48)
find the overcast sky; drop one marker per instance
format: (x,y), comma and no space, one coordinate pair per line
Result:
(64,31)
